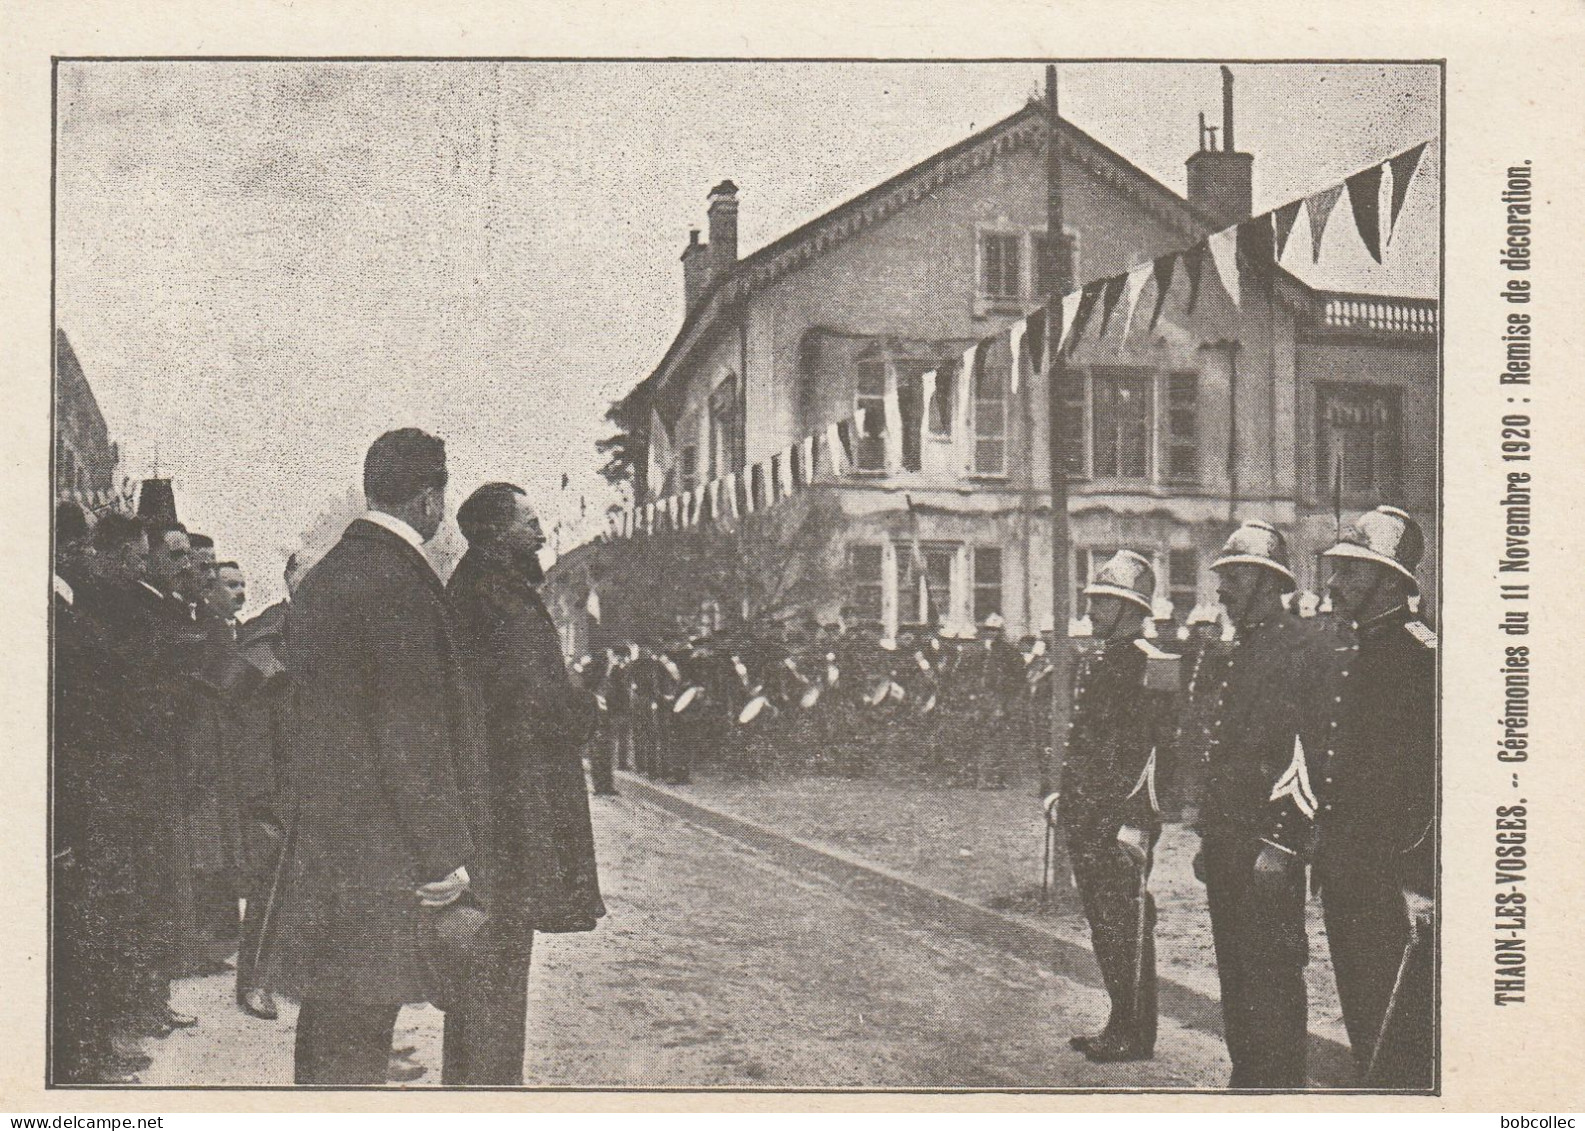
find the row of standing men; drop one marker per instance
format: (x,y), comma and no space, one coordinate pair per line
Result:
(1314,767)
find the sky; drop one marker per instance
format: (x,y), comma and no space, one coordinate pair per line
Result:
(263,266)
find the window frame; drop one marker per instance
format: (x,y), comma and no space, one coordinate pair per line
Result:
(861,585)
(1376,490)
(977,586)
(977,407)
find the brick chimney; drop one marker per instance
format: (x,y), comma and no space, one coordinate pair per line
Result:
(695,271)
(723,228)
(1221,180)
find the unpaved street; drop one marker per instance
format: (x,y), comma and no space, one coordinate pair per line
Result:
(718,967)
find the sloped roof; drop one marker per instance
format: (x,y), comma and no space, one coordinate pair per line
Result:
(1024,128)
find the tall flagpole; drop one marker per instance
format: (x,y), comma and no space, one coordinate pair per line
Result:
(1059,270)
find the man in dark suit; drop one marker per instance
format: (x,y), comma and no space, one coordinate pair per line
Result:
(541,860)
(385,772)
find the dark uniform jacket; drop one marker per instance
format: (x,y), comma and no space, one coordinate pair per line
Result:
(1116,724)
(1376,775)
(541,859)
(387,771)
(1274,684)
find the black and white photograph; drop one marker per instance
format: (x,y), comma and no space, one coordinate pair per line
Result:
(746,574)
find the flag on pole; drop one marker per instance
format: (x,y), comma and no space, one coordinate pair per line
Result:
(1403,169)
(1364,196)
(1319,208)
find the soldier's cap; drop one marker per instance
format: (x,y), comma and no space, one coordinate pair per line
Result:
(1128,575)
(1258,543)
(1387,536)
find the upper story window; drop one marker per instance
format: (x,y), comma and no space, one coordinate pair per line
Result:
(912,411)
(1358,440)
(1181,436)
(1001,266)
(1120,425)
(869,452)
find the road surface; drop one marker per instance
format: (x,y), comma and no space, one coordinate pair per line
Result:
(718,967)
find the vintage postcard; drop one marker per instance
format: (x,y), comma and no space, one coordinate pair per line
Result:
(1007,558)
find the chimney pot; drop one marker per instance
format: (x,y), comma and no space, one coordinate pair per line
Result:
(723,228)
(1221,180)
(695,271)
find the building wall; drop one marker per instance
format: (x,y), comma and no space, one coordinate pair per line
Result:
(85,458)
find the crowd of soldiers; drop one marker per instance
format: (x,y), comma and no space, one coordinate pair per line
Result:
(839,697)
(167,776)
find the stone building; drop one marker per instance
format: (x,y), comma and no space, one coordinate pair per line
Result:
(85,456)
(1175,431)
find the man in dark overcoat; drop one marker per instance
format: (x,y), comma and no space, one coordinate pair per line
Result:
(541,857)
(386,776)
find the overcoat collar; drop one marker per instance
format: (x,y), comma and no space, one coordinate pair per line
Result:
(363,529)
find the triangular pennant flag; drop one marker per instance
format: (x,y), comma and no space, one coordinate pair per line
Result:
(1088,297)
(1403,169)
(834,447)
(891,407)
(756,494)
(807,460)
(928,392)
(1224,253)
(773,492)
(1319,206)
(1138,278)
(1070,313)
(1283,220)
(795,466)
(1115,288)
(592,605)
(960,422)
(845,429)
(1194,262)
(1364,196)
(1035,340)
(1015,349)
(1254,244)
(1162,270)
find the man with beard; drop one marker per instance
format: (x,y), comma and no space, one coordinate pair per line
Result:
(383,840)
(1376,783)
(1108,800)
(1269,707)
(541,857)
